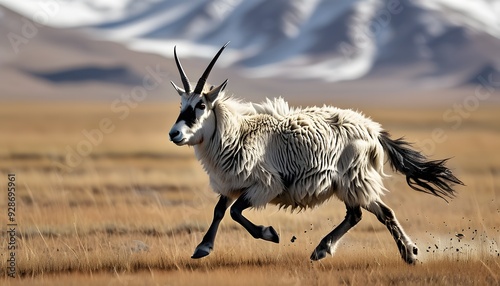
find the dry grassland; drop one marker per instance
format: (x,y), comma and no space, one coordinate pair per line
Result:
(132,211)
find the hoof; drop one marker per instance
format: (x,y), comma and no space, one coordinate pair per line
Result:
(411,258)
(201,251)
(409,253)
(318,254)
(269,234)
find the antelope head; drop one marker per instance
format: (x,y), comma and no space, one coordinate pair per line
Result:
(196,106)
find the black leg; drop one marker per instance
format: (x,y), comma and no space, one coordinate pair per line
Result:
(385,215)
(207,244)
(265,233)
(328,243)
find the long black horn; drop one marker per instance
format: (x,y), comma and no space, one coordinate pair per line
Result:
(185,80)
(203,78)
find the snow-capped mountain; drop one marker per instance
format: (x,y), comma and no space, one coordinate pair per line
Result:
(440,42)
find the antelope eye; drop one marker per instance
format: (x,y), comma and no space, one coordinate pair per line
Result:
(200,105)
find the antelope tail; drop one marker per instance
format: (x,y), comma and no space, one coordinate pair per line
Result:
(422,175)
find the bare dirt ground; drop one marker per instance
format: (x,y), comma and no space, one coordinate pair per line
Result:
(129,207)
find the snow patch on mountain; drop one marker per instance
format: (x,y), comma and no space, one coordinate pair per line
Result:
(309,39)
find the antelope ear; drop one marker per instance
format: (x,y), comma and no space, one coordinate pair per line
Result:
(214,92)
(179,90)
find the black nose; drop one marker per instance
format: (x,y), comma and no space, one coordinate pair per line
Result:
(174,134)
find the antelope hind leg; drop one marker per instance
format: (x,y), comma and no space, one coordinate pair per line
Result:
(328,243)
(385,215)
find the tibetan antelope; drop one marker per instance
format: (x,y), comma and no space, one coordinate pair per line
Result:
(256,154)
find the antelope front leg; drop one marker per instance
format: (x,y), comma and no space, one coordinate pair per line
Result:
(257,231)
(207,244)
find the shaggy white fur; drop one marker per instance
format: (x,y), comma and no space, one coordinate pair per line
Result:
(291,157)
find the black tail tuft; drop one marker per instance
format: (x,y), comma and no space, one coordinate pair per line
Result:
(431,177)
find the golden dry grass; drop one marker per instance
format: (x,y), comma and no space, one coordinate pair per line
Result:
(134,209)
